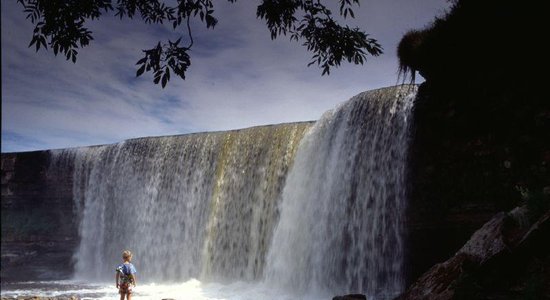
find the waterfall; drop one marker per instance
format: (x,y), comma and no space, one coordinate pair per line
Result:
(191,206)
(341,216)
(298,206)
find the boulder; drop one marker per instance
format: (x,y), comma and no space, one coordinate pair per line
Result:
(497,253)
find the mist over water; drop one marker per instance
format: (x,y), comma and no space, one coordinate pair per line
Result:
(295,208)
(343,202)
(192,206)
(191,289)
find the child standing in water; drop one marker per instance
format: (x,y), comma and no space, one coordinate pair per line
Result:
(125,276)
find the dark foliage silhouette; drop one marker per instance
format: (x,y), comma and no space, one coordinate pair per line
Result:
(61,25)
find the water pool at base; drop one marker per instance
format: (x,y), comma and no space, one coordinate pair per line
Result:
(192,289)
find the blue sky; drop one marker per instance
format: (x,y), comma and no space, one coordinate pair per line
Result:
(238,77)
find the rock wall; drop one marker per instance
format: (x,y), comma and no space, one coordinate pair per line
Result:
(481,141)
(39,230)
(504,259)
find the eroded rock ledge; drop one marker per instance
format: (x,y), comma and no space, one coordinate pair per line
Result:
(504,259)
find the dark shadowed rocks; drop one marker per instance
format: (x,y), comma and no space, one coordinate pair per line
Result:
(496,263)
(38,222)
(481,134)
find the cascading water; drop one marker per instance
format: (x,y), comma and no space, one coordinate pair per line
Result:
(341,216)
(192,206)
(297,206)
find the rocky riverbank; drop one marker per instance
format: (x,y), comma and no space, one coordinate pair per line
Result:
(504,259)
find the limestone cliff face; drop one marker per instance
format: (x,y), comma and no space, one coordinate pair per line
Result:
(39,230)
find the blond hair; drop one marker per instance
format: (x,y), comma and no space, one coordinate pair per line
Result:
(127,254)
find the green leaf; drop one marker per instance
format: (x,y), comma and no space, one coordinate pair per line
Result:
(34,39)
(164,80)
(140,70)
(43,42)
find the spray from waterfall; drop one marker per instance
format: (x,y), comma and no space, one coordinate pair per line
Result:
(191,206)
(299,207)
(342,211)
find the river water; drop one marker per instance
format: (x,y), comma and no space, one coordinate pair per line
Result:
(191,289)
(285,211)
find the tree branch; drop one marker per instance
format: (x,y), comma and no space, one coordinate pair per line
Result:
(190,34)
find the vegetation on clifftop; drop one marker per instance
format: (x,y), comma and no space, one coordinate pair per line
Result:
(482,114)
(481,140)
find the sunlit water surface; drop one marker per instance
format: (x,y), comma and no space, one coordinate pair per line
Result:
(293,207)
(192,289)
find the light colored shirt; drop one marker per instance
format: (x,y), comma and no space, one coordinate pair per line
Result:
(126,270)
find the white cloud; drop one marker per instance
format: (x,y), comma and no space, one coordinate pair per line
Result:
(238,78)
